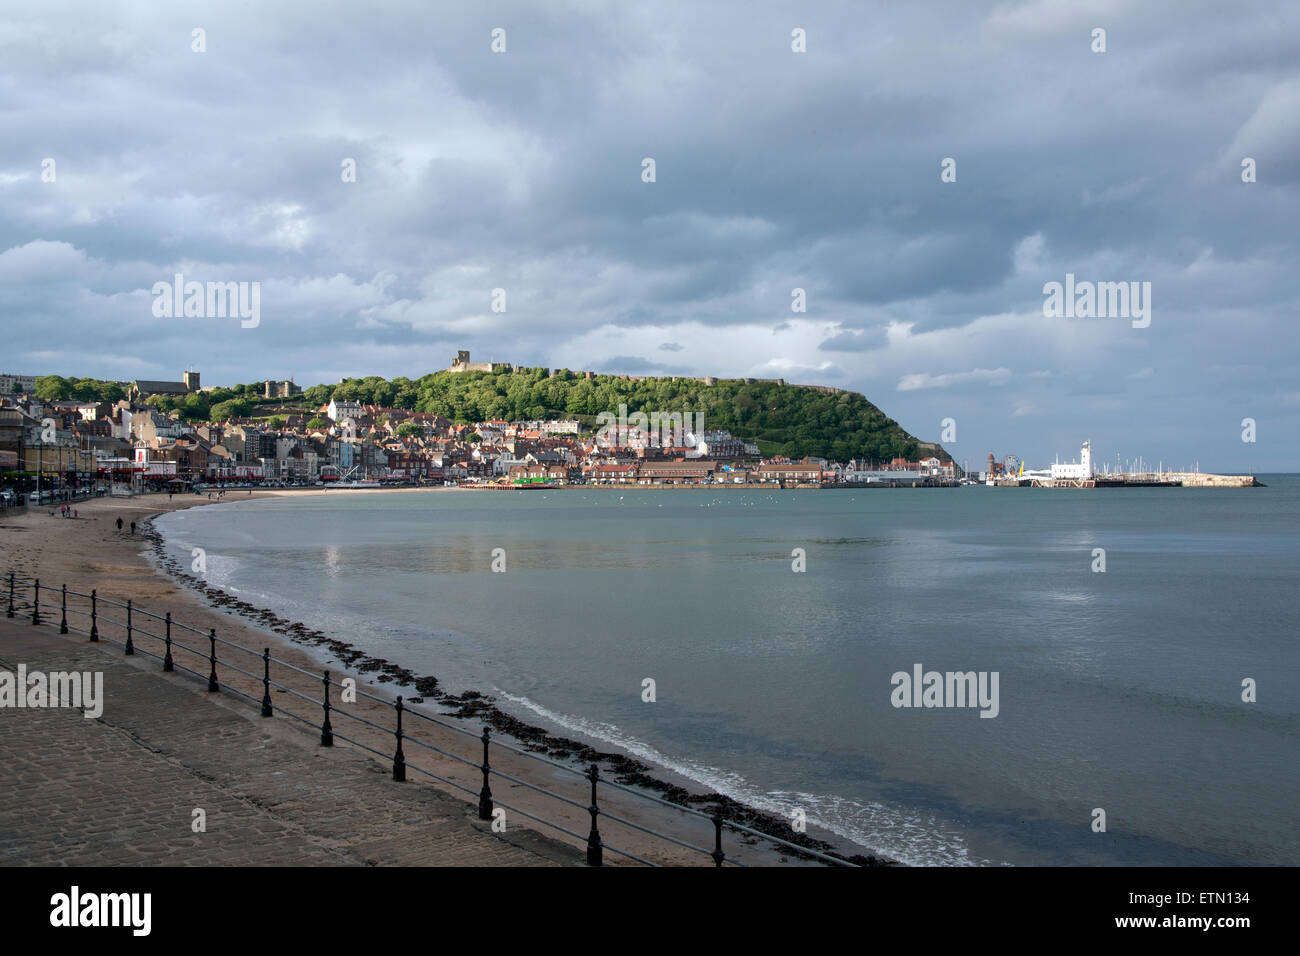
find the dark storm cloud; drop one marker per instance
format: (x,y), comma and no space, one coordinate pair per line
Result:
(774,171)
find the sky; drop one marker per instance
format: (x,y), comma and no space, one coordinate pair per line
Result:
(133,148)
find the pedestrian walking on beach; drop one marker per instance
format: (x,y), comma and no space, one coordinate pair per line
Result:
(119,524)
(133,527)
(74,513)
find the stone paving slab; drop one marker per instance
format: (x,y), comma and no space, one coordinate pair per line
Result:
(121,789)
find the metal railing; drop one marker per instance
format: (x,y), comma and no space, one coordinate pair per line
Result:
(25,597)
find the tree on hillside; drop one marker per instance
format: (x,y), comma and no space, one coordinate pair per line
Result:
(317,395)
(53,388)
(232,408)
(193,407)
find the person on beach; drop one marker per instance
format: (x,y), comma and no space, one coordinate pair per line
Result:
(133,527)
(119,524)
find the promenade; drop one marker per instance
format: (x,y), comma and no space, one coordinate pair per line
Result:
(121,789)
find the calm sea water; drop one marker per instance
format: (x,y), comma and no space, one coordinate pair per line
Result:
(1119,690)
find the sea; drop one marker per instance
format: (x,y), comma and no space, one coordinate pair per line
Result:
(1144,644)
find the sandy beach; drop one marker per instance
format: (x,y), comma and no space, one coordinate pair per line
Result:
(89,552)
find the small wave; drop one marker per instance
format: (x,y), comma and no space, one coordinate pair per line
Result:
(911,837)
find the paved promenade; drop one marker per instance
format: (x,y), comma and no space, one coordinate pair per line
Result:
(121,789)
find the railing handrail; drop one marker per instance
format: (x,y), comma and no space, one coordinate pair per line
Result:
(594,842)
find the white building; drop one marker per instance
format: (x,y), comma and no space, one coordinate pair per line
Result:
(337,411)
(1075,471)
(560,428)
(503,465)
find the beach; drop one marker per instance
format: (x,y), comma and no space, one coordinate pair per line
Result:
(90,552)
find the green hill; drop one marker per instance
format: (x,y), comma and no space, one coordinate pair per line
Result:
(783,419)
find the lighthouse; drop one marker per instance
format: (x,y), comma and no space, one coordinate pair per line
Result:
(1076,472)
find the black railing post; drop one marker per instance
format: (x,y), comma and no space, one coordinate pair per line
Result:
(11,595)
(399,758)
(266,682)
(326,731)
(63,620)
(593,838)
(717,854)
(130,645)
(94,615)
(36,604)
(213,686)
(168,663)
(485,795)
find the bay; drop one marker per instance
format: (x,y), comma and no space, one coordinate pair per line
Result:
(1119,690)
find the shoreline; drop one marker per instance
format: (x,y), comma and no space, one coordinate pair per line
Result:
(163,581)
(474,705)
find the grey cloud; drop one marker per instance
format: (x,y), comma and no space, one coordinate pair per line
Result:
(775,170)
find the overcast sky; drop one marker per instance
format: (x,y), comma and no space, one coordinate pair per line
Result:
(774,170)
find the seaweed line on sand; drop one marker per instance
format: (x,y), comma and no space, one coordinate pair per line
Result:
(473,705)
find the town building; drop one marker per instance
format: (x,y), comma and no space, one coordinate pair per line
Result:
(777,470)
(17,384)
(339,410)
(676,472)
(140,389)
